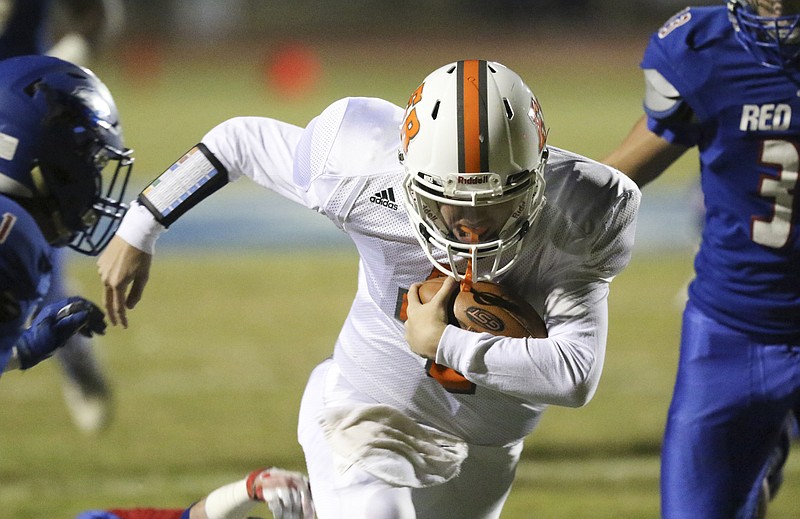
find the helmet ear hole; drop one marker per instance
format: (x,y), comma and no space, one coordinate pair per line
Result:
(509,109)
(31,89)
(424,232)
(435,112)
(526,225)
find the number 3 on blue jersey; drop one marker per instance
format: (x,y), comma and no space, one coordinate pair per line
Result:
(775,231)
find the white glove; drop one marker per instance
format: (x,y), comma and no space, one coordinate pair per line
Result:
(286,493)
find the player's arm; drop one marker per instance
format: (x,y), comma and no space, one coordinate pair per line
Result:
(127,259)
(52,326)
(564,368)
(643,155)
(559,370)
(258,148)
(122,265)
(287,495)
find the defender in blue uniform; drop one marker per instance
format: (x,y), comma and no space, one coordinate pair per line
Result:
(727,80)
(73,34)
(59,131)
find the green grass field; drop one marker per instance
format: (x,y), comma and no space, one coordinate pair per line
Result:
(208,377)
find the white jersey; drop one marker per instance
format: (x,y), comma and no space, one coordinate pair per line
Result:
(345,165)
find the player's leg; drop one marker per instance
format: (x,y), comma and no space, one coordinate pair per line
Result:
(356,494)
(773,478)
(724,421)
(86,391)
(478,492)
(773,471)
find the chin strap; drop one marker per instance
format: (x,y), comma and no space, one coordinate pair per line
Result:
(466,281)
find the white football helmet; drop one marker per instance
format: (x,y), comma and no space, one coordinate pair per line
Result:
(473,148)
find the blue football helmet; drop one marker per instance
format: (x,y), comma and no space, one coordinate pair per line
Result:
(771,34)
(60,134)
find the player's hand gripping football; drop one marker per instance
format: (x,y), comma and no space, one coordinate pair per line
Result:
(287,494)
(120,265)
(54,325)
(426,322)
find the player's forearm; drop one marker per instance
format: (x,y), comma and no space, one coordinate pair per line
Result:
(258,148)
(227,502)
(140,229)
(643,155)
(563,369)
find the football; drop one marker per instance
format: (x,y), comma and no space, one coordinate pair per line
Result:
(489,307)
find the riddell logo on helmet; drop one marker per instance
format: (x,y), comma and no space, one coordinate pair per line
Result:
(429,215)
(482,179)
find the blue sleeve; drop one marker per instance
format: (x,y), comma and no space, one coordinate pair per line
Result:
(58,284)
(678,126)
(682,52)
(25,270)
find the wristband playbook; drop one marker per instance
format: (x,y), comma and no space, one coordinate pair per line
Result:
(196,175)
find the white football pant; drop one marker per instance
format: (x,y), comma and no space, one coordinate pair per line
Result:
(478,492)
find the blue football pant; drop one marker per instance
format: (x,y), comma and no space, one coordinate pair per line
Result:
(731,398)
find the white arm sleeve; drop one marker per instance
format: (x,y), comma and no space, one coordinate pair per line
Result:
(229,502)
(258,148)
(563,369)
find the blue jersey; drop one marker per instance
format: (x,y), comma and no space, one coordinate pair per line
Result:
(25,270)
(23,30)
(744,119)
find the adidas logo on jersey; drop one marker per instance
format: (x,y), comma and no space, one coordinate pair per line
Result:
(385,198)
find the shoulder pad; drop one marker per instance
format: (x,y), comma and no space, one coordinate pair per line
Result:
(662,101)
(660,95)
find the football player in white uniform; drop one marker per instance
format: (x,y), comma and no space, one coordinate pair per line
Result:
(470,178)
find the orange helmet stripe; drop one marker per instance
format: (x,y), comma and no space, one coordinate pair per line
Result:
(473,153)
